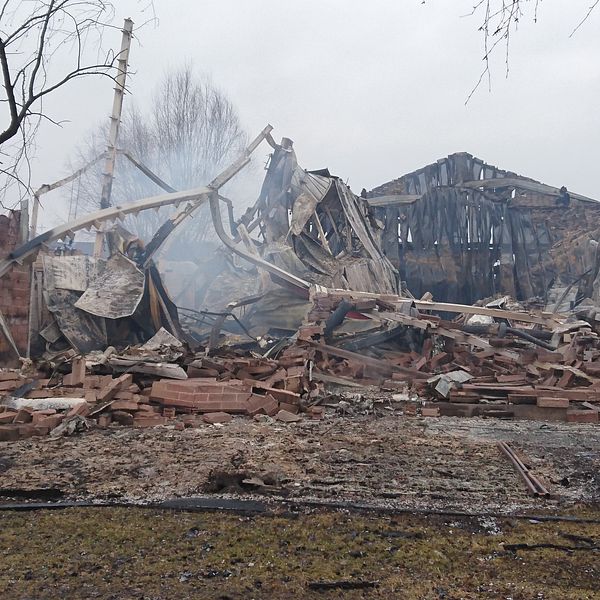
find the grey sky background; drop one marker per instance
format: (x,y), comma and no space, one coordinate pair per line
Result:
(371,89)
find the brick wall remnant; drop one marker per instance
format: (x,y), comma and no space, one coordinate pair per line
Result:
(14,291)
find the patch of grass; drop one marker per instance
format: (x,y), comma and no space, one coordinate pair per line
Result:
(139,553)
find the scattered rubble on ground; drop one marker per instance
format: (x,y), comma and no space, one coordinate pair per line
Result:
(310,319)
(521,364)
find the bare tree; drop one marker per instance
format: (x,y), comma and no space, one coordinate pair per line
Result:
(190,131)
(31,34)
(44,45)
(500,19)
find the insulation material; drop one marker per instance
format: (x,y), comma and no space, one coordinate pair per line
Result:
(115,293)
(72,272)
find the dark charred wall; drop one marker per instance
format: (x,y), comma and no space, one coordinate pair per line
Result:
(464,244)
(14,291)
(461,247)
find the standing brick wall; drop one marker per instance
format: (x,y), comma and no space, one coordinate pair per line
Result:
(14,291)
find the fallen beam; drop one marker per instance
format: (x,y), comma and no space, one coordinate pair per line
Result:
(196,197)
(512,315)
(524,184)
(257,261)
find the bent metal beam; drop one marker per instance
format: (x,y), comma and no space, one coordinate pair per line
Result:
(196,197)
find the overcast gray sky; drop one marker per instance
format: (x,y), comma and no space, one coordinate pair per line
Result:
(371,89)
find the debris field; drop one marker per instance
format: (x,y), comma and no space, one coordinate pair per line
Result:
(309,369)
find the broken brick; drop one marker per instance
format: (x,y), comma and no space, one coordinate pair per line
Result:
(76,377)
(433,411)
(9,376)
(91,396)
(148,420)
(82,409)
(287,417)
(127,405)
(292,408)
(7,417)
(109,391)
(24,415)
(50,421)
(278,394)
(9,433)
(265,405)
(217,417)
(10,385)
(27,430)
(582,416)
(551,402)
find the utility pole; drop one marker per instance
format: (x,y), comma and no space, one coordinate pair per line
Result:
(115,121)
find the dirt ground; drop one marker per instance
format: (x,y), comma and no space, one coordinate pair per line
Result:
(376,465)
(392,461)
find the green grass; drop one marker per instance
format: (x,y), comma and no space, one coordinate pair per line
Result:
(137,553)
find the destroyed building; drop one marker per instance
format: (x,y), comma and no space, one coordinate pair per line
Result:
(314,287)
(311,226)
(464,230)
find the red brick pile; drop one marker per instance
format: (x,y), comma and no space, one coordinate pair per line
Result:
(214,392)
(507,375)
(214,398)
(26,422)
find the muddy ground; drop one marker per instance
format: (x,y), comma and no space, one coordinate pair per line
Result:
(290,549)
(144,554)
(392,461)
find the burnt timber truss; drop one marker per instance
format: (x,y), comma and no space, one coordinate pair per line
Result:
(465,230)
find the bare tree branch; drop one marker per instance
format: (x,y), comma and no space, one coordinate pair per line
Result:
(36,37)
(586,17)
(500,18)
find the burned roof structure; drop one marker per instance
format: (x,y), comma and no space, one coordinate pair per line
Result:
(329,228)
(313,227)
(310,230)
(465,230)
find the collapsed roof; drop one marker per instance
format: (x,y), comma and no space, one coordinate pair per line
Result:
(329,229)
(310,225)
(311,230)
(459,229)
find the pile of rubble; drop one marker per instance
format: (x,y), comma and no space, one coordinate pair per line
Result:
(487,361)
(315,302)
(190,389)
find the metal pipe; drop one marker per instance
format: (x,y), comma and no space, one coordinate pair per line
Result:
(259,262)
(531,481)
(530,486)
(337,316)
(538,484)
(534,336)
(530,338)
